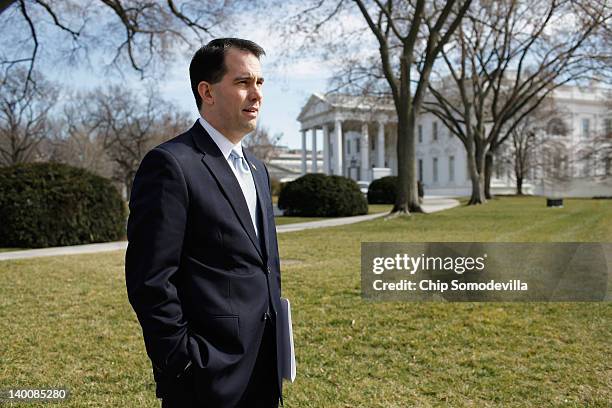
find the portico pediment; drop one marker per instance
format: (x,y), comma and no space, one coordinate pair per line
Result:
(320,109)
(315,106)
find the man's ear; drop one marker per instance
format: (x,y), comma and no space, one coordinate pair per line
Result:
(206,93)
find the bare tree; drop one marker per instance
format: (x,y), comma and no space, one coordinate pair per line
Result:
(410,35)
(77,142)
(24,116)
(599,149)
(540,131)
(128,126)
(523,141)
(506,58)
(108,131)
(599,53)
(137,33)
(262,144)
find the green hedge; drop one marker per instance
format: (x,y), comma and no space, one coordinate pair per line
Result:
(318,195)
(384,190)
(51,204)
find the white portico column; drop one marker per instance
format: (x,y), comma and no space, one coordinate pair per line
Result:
(365,152)
(326,168)
(380,145)
(338,165)
(315,166)
(303,151)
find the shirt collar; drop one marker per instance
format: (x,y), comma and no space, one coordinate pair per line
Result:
(223,143)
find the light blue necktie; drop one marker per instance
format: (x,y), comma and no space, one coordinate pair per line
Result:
(245,179)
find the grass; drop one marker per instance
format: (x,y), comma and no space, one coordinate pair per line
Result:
(282,220)
(66,321)
(378,208)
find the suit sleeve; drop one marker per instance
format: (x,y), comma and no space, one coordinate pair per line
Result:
(156,227)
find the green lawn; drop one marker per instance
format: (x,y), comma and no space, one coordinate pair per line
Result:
(66,321)
(282,220)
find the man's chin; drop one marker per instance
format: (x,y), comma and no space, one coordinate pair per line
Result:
(250,126)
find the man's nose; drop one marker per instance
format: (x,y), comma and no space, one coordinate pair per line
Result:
(256,93)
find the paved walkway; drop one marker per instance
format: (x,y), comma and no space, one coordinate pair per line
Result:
(332,222)
(430,204)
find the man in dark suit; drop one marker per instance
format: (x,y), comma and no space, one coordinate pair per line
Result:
(202,264)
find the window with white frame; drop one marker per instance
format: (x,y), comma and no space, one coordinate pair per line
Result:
(608,127)
(421,170)
(435,169)
(434,134)
(586,127)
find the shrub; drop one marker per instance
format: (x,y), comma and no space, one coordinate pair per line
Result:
(318,195)
(384,190)
(51,204)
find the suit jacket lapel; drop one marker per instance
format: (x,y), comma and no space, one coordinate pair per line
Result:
(261,185)
(220,169)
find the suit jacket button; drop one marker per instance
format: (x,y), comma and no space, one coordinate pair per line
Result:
(265,316)
(268,271)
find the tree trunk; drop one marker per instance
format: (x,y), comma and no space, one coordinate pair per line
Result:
(476,161)
(489,161)
(478,187)
(407,199)
(518,173)
(401,200)
(127,182)
(413,191)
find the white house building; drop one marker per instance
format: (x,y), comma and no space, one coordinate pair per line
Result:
(286,164)
(358,135)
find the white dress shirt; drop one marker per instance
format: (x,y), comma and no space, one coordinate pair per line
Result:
(226,146)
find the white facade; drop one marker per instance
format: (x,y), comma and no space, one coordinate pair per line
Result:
(357,135)
(576,162)
(287,164)
(343,125)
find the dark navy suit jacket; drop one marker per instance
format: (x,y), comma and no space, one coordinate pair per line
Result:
(198,277)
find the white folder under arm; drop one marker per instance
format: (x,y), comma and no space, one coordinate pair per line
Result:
(287,350)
